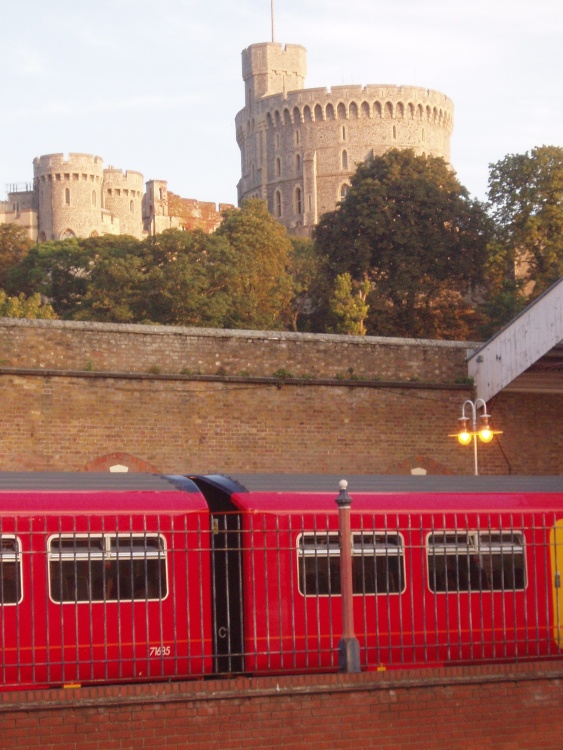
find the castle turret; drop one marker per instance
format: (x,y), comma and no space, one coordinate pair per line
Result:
(123,196)
(272,69)
(69,195)
(300,147)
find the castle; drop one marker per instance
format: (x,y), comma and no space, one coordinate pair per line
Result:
(76,196)
(299,147)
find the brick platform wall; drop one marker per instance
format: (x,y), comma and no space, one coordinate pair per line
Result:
(86,396)
(511,707)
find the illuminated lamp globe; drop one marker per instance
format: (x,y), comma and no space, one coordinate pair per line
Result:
(464,436)
(485,433)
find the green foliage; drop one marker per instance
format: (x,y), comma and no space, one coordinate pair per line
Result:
(503,302)
(25,307)
(260,289)
(58,271)
(283,373)
(306,269)
(348,305)
(526,203)
(14,245)
(409,228)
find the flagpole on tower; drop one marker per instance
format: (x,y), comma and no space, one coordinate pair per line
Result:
(273,34)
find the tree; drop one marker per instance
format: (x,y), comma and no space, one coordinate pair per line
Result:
(189,278)
(62,272)
(307,278)
(410,229)
(14,245)
(25,307)
(348,305)
(526,204)
(260,292)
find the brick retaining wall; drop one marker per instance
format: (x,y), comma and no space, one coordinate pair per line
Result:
(510,707)
(83,396)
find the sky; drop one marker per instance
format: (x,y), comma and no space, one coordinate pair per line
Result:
(154,87)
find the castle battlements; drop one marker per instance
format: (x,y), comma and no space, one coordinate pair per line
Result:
(299,147)
(75,196)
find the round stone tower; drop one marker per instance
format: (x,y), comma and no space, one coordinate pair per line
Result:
(299,147)
(123,198)
(69,195)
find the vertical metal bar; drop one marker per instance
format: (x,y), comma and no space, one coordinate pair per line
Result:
(250,550)
(171,582)
(280,595)
(266,585)
(293,553)
(92,646)
(181,547)
(348,647)
(420,543)
(304,600)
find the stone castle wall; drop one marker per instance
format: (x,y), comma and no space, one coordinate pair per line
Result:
(299,147)
(75,196)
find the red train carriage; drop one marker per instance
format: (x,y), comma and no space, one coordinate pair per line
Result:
(104,577)
(131,577)
(445,570)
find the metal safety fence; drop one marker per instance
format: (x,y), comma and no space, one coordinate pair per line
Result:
(176,596)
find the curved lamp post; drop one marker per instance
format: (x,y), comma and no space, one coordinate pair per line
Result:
(465,435)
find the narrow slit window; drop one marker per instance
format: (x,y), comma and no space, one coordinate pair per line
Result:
(298,202)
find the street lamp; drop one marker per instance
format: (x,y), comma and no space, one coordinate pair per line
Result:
(465,435)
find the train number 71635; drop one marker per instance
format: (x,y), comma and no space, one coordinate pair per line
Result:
(159,651)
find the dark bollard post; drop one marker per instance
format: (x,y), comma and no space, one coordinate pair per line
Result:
(348,646)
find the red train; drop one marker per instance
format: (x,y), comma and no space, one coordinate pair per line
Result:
(119,577)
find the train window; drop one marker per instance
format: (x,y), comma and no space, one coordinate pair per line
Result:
(377,563)
(476,561)
(10,570)
(104,567)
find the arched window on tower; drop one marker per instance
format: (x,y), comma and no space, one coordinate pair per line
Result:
(344,190)
(277,204)
(278,167)
(67,196)
(131,206)
(298,163)
(93,197)
(344,159)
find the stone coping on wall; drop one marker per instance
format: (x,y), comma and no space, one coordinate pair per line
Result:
(76,696)
(222,333)
(134,348)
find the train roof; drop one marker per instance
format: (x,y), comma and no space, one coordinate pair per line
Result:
(388,483)
(303,492)
(59,492)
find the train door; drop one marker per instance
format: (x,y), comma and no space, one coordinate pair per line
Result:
(557,568)
(226,577)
